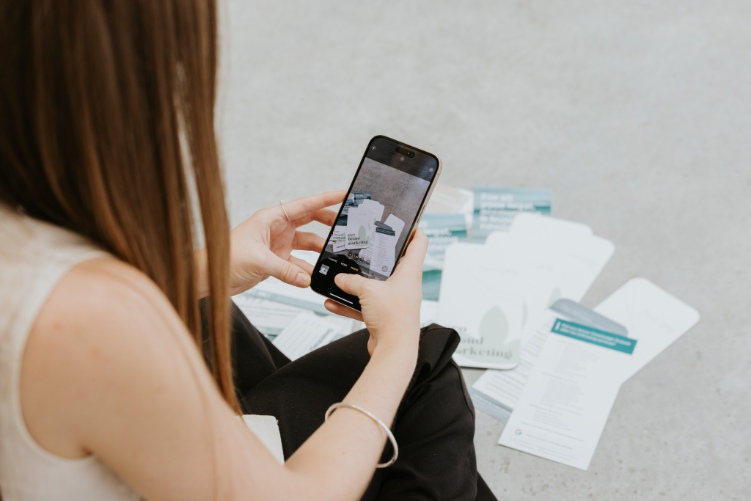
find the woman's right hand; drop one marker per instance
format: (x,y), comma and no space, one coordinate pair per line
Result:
(391,308)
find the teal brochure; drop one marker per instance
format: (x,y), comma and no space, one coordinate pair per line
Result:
(496,207)
(442,230)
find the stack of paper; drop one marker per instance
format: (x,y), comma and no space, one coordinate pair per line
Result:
(490,292)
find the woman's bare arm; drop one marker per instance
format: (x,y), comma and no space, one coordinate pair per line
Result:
(109,369)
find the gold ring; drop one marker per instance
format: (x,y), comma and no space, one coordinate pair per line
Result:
(281,202)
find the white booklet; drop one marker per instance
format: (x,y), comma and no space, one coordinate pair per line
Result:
(490,292)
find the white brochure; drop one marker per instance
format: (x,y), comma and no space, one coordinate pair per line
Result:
(383,256)
(269,317)
(309,331)
(576,257)
(395,224)
(651,315)
(548,258)
(567,399)
(480,299)
(360,226)
(374,207)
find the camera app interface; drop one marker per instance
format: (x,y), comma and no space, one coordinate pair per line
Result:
(375,220)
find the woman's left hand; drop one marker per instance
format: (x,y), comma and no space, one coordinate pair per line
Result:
(261,246)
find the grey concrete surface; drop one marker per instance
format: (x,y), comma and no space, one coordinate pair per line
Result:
(636,114)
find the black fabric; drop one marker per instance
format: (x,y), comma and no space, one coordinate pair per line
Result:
(434,426)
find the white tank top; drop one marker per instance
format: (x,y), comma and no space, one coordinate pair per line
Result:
(34,256)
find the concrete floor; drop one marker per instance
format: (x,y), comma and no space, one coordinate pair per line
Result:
(636,114)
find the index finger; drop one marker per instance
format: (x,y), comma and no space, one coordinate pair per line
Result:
(301,207)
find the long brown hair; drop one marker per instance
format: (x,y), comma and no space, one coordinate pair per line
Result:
(107,127)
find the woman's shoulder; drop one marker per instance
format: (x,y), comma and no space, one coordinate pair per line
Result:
(105,295)
(106,282)
(103,327)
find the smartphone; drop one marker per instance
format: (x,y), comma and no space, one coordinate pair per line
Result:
(384,203)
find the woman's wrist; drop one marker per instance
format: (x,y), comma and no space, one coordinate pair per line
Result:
(404,349)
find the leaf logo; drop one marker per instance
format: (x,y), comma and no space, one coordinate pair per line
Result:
(494,326)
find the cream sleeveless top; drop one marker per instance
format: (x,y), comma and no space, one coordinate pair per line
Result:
(34,256)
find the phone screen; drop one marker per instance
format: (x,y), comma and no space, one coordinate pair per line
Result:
(383,204)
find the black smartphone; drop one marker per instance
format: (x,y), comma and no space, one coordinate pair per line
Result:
(384,203)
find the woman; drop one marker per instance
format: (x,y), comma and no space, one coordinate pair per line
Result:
(106,129)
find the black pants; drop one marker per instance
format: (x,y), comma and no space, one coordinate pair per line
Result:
(434,425)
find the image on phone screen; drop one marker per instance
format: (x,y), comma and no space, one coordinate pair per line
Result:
(383,204)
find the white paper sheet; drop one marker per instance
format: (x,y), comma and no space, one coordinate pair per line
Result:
(549,258)
(360,226)
(309,331)
(374,207)
(480,298)
(383,253)
(395,224)
(577,258)
(651,315)
(567,399)
(269,317)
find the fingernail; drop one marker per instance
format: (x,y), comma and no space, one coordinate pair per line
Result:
(302,280)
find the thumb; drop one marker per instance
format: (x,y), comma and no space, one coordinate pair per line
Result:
(287,272)
(351,284)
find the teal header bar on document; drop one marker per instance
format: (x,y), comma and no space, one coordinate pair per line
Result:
(594,336)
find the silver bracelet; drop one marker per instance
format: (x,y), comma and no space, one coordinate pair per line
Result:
(374,418)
